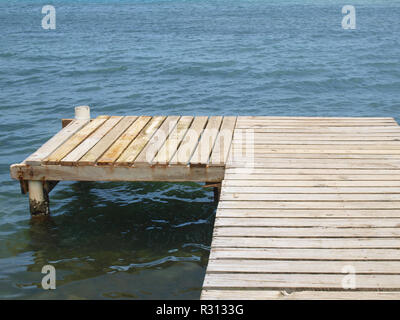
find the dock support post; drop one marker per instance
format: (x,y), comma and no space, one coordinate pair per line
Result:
(217,192)
(38,198)
(82,113)
(216,188)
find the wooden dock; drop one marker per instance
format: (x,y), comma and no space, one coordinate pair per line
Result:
(309,207)
(317,217)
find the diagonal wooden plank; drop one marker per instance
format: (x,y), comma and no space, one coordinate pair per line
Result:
(157,140)
(115,148)
(93,154)
(35,159)
(222,145)
(202,153)
(139,142)
(74,141)
(73,157)
(172,143)
(189,143)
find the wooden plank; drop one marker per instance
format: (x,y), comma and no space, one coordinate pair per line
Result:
(70,144)
(319,147)
(307,232)
(299,123)
(326,121)
(119,145)
(266,254)
(295,120)
(312,171)
(326,281)
(310,205)
(313,177)
(255,294)
(223,142)
(308,190)
(265,142)
(365,184)
(279,137)
(35,159)
(312,118)
(257,157)
(323,243)
(304,165)
(171,145)
(322,129)
(305,149)
(307,222)
(73,157)
(136,146)
(106,173)
(203,150)
(189,143)
(310,197)
(148,153)
(90,157)
(302,266)
(301,212)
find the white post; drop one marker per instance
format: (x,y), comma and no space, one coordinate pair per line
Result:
(82,113)
(38,198)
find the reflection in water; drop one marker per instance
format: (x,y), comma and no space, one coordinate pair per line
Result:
(121,240)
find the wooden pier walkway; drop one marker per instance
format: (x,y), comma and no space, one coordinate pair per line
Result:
(309,207)
(322,201)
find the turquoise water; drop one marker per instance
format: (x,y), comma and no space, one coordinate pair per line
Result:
(151,240)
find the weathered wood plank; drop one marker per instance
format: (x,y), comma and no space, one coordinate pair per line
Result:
(148,153)
(189,143)
(171,145)
(219,154)
(313,118)
(342,184)
(106,173)
(313,189)
(35,159)
(304,222)
(323,243)
(306,232)
(69,145)
(203,149)
(298,295)
(119,146)
(92,155)
(73,157)
(136,146)
(288,280)
(318,254)
(309,197)
(259,172)
(302,266)
(313,177)
(301,212)
(310,205)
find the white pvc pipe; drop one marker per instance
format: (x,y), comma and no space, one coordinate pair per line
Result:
(82,113)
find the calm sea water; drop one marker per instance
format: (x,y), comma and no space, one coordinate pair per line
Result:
(151,240)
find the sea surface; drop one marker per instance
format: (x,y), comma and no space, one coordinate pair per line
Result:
(204,57)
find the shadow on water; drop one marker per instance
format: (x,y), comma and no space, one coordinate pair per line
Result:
(122,240)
